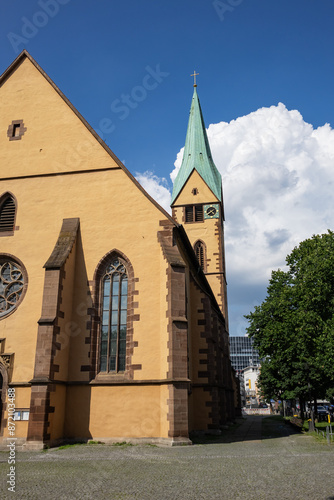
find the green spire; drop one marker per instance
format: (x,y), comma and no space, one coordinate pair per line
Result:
(197,154)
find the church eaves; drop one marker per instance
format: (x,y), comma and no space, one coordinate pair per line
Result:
(197,154)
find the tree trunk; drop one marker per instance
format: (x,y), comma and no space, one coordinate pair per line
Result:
(311,426)
(302,408)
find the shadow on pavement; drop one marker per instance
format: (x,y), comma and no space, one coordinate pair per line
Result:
(249,428)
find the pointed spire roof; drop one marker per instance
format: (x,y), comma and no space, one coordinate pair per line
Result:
(197,154)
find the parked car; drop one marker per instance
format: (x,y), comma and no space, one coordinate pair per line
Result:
(321,410)
(322,413)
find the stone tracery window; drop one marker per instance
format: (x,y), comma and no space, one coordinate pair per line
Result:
(114,304)
(11,286)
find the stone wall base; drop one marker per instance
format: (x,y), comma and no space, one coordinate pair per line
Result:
(21,444)
(158,441)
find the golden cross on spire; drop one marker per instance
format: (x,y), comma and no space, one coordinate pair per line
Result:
(194,75)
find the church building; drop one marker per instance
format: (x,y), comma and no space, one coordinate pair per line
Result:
(113,313)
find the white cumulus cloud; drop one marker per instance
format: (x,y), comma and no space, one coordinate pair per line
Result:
(278,184)
(157,187)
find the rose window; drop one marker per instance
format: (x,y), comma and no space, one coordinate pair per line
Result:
(11,286)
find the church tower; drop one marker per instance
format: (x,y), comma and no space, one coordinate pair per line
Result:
(197,203)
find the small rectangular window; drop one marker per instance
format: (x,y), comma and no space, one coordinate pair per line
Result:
(21,415)
(16,129)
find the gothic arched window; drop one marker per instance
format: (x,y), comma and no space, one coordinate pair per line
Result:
(7,213)
(114,305)
(200,251)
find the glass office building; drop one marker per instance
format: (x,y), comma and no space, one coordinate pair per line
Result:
(243,353)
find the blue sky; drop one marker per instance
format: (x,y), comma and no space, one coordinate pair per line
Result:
(250,55)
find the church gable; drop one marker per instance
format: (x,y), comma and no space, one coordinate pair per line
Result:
(46,135)
(37,118)
(195,190)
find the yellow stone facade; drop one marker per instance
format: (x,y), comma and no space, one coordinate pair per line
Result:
(71,221)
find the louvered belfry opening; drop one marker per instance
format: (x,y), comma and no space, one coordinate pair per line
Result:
(189,214)
(200,253)
(198,213)
(194,213)
(7,214)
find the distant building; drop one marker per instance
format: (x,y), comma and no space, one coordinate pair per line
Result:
(250,377)
(242,353)
(242,389)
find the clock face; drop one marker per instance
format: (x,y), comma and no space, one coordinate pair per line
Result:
(211,211)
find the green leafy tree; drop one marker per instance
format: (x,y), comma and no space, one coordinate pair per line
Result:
(293,329)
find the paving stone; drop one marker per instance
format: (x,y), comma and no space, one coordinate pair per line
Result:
(240,464)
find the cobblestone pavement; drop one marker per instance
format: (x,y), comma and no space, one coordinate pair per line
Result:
(244,463)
